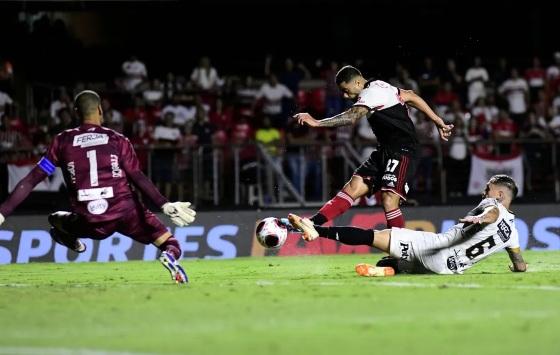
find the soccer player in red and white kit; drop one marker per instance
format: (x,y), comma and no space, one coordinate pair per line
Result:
(393,164)
(99,165)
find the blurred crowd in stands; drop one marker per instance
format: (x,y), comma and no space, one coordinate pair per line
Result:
(489,105)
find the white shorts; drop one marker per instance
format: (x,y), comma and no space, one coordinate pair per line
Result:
(423,252)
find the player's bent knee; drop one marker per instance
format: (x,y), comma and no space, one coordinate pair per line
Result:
(356,187)
(58,218)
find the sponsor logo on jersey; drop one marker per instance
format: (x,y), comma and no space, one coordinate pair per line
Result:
(504,231)
(90,139)
(389,177)
(404,251)
(71,167)
(98,206)
(115,169)
(95,193)
(452,263)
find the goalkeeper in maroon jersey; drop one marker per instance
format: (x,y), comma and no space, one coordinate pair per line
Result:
(99,165)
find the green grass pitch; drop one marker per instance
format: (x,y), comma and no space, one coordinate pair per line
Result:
(275,305)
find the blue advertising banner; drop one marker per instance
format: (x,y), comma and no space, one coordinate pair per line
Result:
(230,234)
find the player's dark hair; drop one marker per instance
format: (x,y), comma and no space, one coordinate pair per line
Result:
(507,181)
(346,73)
(86,103)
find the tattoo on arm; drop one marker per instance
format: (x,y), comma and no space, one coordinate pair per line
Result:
(346,118)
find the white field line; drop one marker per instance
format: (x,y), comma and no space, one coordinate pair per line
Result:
(376,284)
(6,350)
(451,285)
(422,285)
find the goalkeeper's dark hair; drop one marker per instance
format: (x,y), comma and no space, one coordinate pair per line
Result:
(86,103)
(506,181)
(346,73)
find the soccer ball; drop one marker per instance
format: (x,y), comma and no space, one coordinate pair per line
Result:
(271,233)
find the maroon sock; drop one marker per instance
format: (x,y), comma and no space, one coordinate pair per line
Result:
(395,218)
(171,245)
(336,206)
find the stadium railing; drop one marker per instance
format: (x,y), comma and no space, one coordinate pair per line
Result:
(255,175)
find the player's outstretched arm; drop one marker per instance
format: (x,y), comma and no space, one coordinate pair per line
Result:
(348,117)
(519,265)
(410,98)
(180,212)
(21,191)
(489,215)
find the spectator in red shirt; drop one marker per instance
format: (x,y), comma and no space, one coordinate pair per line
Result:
(484,110)
(221,116)
(138,112)
(504,130)
(12,138)
(476,132)
(141,139)
(243,133)
(445,96)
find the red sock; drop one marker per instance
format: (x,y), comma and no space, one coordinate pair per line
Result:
(336,206)
(395,218)
(171,245)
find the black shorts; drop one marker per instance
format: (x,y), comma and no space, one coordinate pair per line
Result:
(389,170)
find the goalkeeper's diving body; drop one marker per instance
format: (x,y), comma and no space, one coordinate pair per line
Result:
(99,166)
(486,229)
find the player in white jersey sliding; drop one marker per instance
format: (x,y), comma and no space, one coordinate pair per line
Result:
(485,230)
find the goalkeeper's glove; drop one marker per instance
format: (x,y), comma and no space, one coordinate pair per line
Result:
(179,213)
(2,219)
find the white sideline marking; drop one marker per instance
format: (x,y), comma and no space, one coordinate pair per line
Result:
(379,284)
(450,285)
(419,284)
(264,283)
(4,350)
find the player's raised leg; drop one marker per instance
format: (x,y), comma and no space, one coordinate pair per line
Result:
(62,223)
(347,235)
(351,236)
(354,189)
(305,226)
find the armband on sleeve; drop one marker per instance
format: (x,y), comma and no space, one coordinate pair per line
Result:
(46,165)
